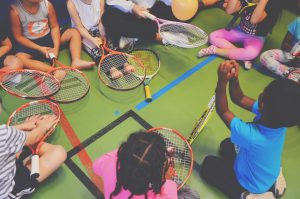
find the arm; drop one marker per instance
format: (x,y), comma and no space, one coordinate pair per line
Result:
(6,46)
(16,29)
(101,27)
(287,43)
(259,13)
(54,26)
(233,6)
(76,19)
(225,74)
(238,97)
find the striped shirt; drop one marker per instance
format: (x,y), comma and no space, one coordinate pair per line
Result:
(11,142)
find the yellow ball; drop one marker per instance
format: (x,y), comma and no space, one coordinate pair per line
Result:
(184,9)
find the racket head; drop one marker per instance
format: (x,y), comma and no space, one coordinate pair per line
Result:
(150,60)
(182,34)
(74,85)
(183,154)
(118,63)
(30,84)
(39,107)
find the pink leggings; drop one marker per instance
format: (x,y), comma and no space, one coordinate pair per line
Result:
(252,45)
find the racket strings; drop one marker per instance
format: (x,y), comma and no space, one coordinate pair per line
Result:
(183,35)
(33,109)
(74,86)
(117,62)
(30,84)
(150,61)
(182,156)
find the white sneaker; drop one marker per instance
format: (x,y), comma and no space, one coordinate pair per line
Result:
(126,41)
(247,65)
(267,195)
(174,38)
(296,49)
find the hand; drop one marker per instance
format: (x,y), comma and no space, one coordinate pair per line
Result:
(171,170)
(29,124)
(139,11)
(47,122)
(55,51)
(45,51)
(228,70)
(97,41)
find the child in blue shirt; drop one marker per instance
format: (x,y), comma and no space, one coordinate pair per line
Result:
(250,162)
(287,59)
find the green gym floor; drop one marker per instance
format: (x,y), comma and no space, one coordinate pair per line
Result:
(104,118)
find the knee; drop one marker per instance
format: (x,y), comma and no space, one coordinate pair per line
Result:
(266,57)
(59,153)
(74,33)
(13,62)
(214,35)
(207,166)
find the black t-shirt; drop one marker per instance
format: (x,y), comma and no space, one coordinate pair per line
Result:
(261,29)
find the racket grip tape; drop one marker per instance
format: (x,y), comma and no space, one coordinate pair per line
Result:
(35,166)
(148,93)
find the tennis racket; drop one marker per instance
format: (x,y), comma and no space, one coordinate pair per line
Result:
(203,120)
(249,4)
(29,83)
(178,33)
(120,71)
(151,63)
(181,158)
(40,107)
(74,85)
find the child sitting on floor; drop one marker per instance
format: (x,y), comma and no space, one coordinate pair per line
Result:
(15,180)
(255,24)
(250,162)
(139,169)
(283,62)
(36,31)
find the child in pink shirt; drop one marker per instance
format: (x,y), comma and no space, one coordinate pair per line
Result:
(137,170)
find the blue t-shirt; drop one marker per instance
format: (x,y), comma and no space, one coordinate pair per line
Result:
(294,29)
(258,160)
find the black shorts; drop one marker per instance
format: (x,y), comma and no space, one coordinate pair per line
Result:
(23,183)
(37,55)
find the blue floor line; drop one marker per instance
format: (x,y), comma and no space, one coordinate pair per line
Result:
(177,81)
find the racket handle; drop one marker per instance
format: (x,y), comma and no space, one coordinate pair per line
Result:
(149,16)
(232,22)
(148,93)
(35,166)
(51,55)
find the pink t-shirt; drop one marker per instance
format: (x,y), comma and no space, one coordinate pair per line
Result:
(105,166)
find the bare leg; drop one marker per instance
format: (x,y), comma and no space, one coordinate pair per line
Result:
(73,36)
(51,158)
(11,62)
(33,64)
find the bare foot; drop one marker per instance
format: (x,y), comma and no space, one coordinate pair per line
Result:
(115,74)
(128,68)
(60,75)
(81,64)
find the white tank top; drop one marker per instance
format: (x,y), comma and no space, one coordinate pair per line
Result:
(89,14)
(36,25)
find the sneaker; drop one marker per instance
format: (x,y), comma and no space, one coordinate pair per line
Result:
(296,49)
(267,195)
(174,38)
(207,51)
(294,75)
(247,65)
(280,185)
(126,41)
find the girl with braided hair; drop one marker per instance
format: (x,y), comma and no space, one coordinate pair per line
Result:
(138,169)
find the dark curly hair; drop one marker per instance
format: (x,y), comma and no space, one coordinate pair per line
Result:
(141,164)
(281,100)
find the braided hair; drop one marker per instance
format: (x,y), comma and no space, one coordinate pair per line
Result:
(141,164)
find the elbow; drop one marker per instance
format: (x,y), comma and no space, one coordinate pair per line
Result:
(230,11)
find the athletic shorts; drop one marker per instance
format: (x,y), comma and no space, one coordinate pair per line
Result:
(24,185)
(37,55)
